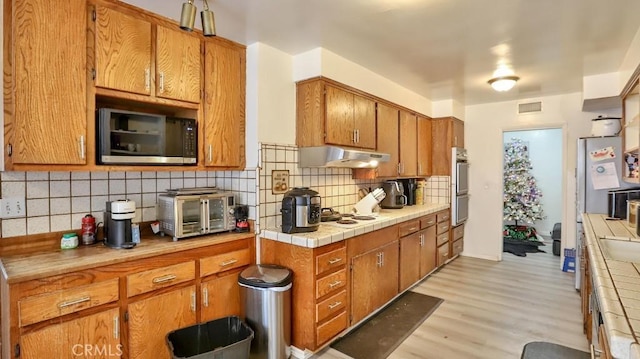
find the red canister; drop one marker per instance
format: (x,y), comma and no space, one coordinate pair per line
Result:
(88,229)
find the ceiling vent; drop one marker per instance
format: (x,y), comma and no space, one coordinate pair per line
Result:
(529,107)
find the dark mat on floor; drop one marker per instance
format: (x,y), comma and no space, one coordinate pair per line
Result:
(381,334)
(520,247)
(545,350)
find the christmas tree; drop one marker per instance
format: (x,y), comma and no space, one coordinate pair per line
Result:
(521,195)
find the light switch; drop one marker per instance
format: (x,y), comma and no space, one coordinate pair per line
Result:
(12,207)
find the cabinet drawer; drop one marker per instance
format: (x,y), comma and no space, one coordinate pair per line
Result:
(328,261)
(456,247)
(443,216)
(443,227)
(443,254)
(225,261)
(458,232)
(50,305)
(149,280)
(330,306)
(331,328)
(427,221)
(409,227)
(442,239)
(331,283)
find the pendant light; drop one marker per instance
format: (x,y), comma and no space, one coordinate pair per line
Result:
(188,18)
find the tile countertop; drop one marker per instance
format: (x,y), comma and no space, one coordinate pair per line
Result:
(617,284)
(328,233)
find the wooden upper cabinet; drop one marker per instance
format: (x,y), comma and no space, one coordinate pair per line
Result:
(388,140)
(178,65)
(446,132)
(123,52)
(45,90)
(408,144)
(339,121)
(328,113)
(424,146)
(224,116)
(364,121)
(125,61)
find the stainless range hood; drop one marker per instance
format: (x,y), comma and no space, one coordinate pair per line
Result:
(333,156)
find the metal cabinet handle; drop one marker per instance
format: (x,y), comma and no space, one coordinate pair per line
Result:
(399,172)
(379,261)
(210,154)
(382,259)
(162,82)
(73,302)
(334,260)
(193,301)
(413,229)
(116,327)
(357,136)
(164,279)
(353,136)
(147,79)
(335,284)
(334,305)
(205,297)
(82,153)
(229,262)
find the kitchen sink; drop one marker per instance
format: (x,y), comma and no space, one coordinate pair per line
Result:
(620,249)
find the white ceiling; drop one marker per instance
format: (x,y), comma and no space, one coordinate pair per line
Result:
(441,49)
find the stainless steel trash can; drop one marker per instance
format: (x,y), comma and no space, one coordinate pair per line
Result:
(266,293)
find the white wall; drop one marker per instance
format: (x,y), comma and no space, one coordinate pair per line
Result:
(545,154)
(484,126)
(274,99)
(322,62)
(631,61)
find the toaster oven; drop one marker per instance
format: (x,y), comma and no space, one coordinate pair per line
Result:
(192,212)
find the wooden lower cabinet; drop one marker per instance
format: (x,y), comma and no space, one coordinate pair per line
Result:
(124,309)
(93,336)
(428,248)
(220,297)
(374,278)
(443,254)
(319,291)
(150,320)
(410,255)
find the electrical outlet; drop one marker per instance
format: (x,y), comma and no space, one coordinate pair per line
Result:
(12,207)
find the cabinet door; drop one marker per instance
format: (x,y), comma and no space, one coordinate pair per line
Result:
(151,319)
(408,144)
(123,52)
(457,139)
(364,122)
(220,297)
(410,251)
(224,118)
(428,251)
(93,336)
(375,280)
(177,65)
(424,146)
(441,137)
(388,140)
(339,120)
(48,63)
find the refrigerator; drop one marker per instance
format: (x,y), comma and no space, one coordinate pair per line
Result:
(597,156)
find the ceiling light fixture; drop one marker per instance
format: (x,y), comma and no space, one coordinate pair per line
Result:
(188,18)
(503,83)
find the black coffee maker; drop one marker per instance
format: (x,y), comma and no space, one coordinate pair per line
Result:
(300,210)
(117,224)
(241,214)
(410,185)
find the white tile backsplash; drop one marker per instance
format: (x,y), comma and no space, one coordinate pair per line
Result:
(60,188)
(36,225)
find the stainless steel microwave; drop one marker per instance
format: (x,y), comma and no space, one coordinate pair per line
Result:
(195,211)
(126,137)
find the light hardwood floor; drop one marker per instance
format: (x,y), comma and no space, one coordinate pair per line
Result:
(492,309)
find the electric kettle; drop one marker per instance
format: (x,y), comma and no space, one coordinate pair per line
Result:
(395,197)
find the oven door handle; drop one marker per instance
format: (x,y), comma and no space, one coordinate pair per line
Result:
(204,204)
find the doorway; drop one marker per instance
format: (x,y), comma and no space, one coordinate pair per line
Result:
(544,150)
